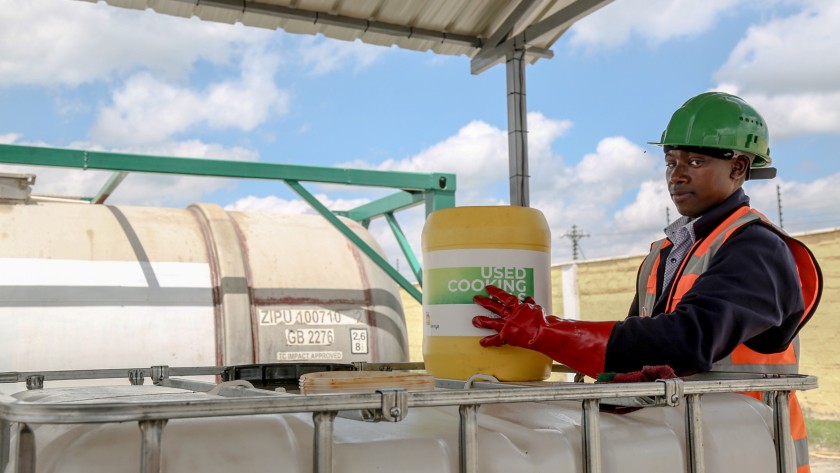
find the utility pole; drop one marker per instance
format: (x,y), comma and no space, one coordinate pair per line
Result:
(575,236)
(779,204)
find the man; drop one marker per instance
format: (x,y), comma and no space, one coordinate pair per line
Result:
(726,290)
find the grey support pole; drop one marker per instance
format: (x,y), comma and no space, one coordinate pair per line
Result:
(517,127)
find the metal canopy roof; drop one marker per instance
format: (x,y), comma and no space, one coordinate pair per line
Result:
(484,30)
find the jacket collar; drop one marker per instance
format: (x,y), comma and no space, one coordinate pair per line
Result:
(711,219)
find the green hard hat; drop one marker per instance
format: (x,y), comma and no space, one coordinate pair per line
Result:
(721,121)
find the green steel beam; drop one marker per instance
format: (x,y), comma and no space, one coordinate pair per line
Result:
(406,248)
(70,158)
(377,208)
(386,207)
(351,235)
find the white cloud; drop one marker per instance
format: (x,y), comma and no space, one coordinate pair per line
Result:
(291,206)
(647,211)
(322,56)
(586,194)
(805,206)
(796,114)
(478,156)
(595,196)
(655,21)
(787,69)
(147,109)
(146,56)
(9,138)
(60,42)
(789,55)
(614,156)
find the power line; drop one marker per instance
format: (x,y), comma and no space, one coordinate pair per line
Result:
(575,236)
(779,204)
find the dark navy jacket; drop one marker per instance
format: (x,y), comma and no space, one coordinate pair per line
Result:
(749,294)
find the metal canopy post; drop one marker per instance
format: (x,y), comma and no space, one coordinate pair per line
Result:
(517,127)
(517,50)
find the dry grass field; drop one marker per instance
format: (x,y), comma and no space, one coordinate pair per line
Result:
(606,291)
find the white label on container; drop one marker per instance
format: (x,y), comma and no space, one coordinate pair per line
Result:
(451,278)
(359,341)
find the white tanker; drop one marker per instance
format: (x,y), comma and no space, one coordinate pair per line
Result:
(96,286)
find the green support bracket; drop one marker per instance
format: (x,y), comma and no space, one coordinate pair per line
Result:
(388,204)
(109,187)
(405,247)
(351,235)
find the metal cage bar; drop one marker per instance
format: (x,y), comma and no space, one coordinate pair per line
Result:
(785,456)
(150,445)
(468,438)
(153,415)
(591,436)
(26,450)
(695,462)
(322,447)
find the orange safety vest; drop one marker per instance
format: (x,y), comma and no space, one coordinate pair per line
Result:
(742,358)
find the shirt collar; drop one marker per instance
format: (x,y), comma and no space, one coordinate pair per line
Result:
(710,220)
(672,230)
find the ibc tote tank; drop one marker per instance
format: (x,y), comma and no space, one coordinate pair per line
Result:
(95,286)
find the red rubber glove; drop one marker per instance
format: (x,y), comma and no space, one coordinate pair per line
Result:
(582,346)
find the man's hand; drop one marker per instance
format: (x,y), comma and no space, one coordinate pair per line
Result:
(577,344)
(518,324)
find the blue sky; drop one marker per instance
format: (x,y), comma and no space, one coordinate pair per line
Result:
(85,75)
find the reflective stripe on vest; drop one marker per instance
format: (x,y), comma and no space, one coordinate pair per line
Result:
(742,358)
(647,278)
